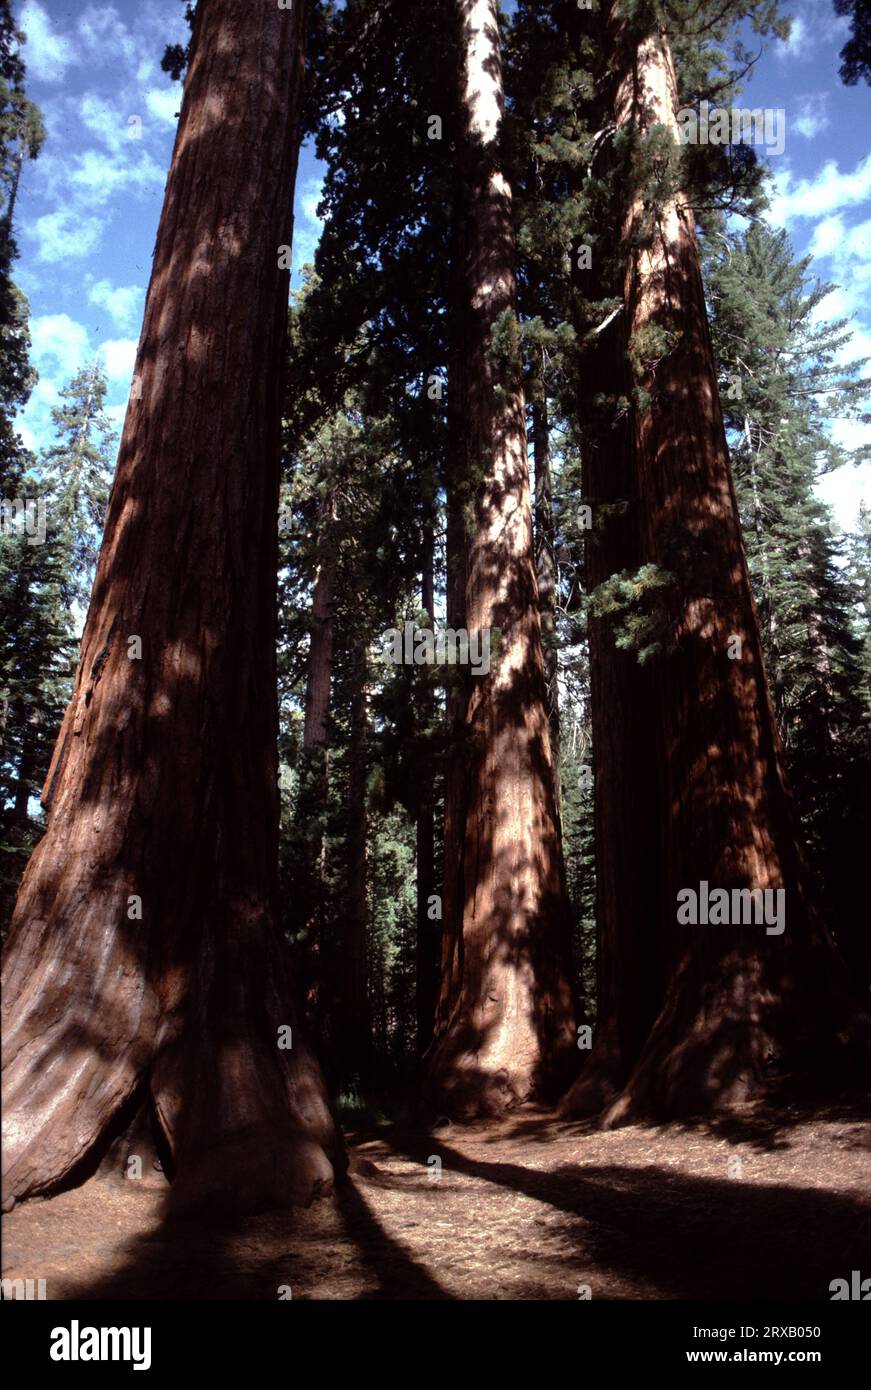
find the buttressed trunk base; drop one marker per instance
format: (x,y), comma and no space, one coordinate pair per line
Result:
(733,992)
(144,946)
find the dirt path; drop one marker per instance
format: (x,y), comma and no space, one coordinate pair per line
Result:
(757,1208)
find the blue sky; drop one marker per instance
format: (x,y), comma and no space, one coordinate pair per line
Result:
(89,206)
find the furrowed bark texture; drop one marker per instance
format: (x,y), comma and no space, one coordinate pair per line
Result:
(510,1031)
(625,809)
(733,991)
(163,785)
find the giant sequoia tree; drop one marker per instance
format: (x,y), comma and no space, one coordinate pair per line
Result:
(506,1023)
(143,957)
(731,993)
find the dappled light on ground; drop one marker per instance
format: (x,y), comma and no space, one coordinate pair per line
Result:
(763,1206)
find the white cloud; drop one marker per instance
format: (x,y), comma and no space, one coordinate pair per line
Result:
(47,56)
(308,198)
(34,423)
(813,24)
(848,251)
(104,35)
(122,302)
(119,357)
(58,340)
(825,193)
(794,46)
(104,121)
(846,487)
(812,117)
(64,236)
(826,236)
(116,414)
(27,437)
(96,177)
(164,106)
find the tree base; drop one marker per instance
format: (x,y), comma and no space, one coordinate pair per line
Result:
(252,1173)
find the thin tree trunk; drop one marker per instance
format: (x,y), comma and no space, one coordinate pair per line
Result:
(427,936)
(163,786)
(545,561)
(355,1026)
(25,770)
(726,815)
(456,546)
(510,1033)
(768,612)
(314,772)
(317,695)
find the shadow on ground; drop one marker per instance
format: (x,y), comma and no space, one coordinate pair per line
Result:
(763,1206)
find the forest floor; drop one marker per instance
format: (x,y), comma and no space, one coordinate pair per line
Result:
(764,1205)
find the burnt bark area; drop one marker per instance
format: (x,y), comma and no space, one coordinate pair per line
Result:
(144,946)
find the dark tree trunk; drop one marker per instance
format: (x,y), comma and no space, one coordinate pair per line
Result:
(456,694)
(628,967)
(427,935)
(356,1026)
(26,766)
(163,786)
(726,817)
(314,770)
(317,695)
(510,1030)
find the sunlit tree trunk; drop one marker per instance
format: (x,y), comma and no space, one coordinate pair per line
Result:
(510,1033)
(144,948)
(725,817)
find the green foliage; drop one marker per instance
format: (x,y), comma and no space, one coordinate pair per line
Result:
(787,380)
(74,476)
(639,607)
(856,53)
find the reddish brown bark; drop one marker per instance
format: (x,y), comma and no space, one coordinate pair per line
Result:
(163,784)
(510,1030)
(625,808)
(726,818)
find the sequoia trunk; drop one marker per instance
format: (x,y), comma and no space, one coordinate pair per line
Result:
(510,1030)
(144,945)
(737,990)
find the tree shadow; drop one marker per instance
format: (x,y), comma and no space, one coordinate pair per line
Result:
(693,1237)
(277,1255)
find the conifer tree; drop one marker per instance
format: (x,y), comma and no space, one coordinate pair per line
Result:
(144,962)
(75,474)
(726,815)
(782,381)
